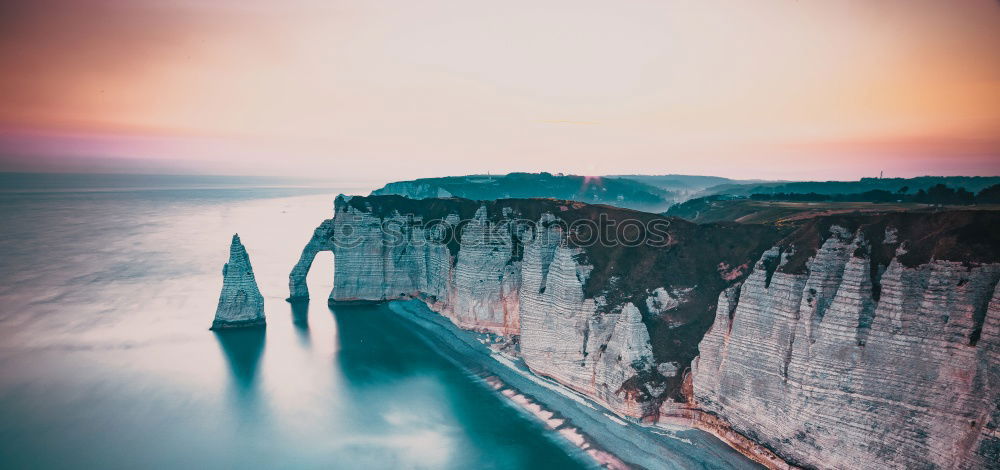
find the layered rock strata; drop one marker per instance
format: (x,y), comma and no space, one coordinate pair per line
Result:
(851,341)
(876,347)
(514,268)
(240,304)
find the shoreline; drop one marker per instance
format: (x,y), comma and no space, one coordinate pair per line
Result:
(697,419)
(612,442)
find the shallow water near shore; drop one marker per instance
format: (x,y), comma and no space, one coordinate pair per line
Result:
(106,360)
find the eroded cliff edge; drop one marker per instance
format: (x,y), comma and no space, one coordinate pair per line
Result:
(853,341)
(619,322)
(863,342)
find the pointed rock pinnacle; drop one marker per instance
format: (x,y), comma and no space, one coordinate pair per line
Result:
(240,304)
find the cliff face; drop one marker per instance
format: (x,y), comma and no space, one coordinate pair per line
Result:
(618,323)
(240,303)
(865,342)
(849,341)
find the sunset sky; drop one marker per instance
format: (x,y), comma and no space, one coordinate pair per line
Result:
(384,90)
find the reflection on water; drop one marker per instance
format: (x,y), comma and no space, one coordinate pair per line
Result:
(300,318)
(243,348)
(106,360)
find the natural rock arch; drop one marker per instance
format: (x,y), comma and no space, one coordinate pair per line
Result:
(298,290)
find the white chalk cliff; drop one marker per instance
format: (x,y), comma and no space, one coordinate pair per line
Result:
(869,344)
(499,279)
(240,304)
(832,368)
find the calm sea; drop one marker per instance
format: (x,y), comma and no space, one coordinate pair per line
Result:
(107,288)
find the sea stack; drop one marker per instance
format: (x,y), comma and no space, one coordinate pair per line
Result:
(240,304)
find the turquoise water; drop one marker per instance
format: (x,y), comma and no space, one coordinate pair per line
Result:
(106,360)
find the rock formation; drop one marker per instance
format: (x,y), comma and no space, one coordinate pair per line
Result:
(240,304)
(320,241)
(511,267)
(846,341)
(878,349)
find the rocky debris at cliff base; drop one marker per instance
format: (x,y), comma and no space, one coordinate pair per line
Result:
(241,304)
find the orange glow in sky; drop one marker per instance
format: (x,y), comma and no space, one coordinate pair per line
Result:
(386,90)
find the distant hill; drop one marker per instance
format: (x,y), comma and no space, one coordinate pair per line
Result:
(777,207)
(688,186)
(911,185)
(672,181)
(614,191)
(728,209)
(697,197)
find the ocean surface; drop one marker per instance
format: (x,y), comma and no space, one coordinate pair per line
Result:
(107,289)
